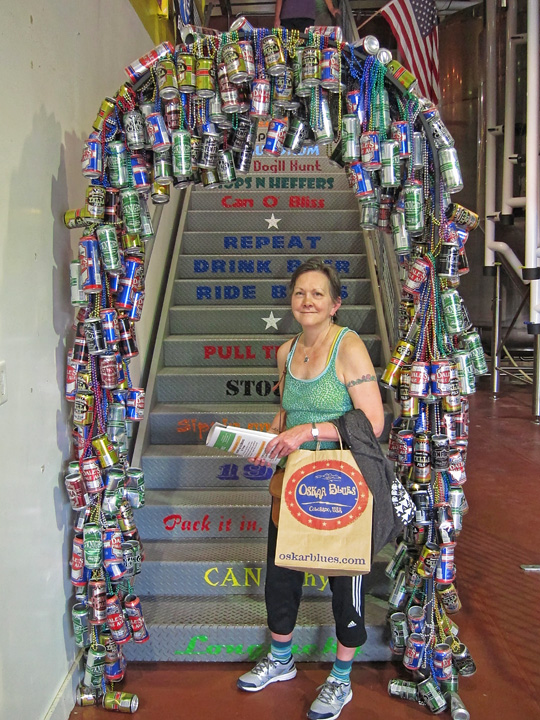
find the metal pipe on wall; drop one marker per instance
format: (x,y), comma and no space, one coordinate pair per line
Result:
(491,122)
(509,111)
(531,168)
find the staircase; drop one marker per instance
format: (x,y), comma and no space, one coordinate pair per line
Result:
(205,521)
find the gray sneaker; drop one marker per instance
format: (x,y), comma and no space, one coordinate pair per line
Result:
(330,701)
(266,671)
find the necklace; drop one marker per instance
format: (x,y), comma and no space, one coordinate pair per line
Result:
(315,344)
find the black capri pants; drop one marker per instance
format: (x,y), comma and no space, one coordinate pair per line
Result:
(283,592)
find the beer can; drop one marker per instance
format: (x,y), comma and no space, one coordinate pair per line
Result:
(463,661)
(139,169)
(116,622)
(74,219)
(428,560)
(355,105)
(79,616)
(94,336)
(83,409)
(440,132)
(446,533)
(449,597)
(260,98)
(135,130)
(209,152)
(450,170)
(422,515)
(105,451)
(106,109)
(297,133)
(414,651)
(350,145)
(422,458)
(404,689)
(181,153)
(93,546)
(330,69)
(92,158)
(442,661)
(120,701)
(416,617)
(235,63)
(430,694)
(140,67)
(161,193)
(167,79)
(370,151)
(445,572)
(451,306)
(95,666)
(402,355)
(399,633)
(71,377)
(112,545)
(399,591)
(414,207)
(135,404)
(117,163)
(135,480)
(125,517)
(390,170)
(397,561)
(108,248)
(362,185)
(137,555)
(185,72)
(274,58)
(76,491)
(401,74)
(246,48)
(440,377)
(440,447)
(79,572)
(95,202)
(461,216)
(420,379)
(157,131)
(400,235)
(85,696)
(400,131)
(97,595)
(89,265)
(108,371)
(450,684)
(458,711)
(447,262)
(275,136)
(111,206)
(472,343)
(369,44)
(133,608)
(225,166)
(467,382)
(405,448)
(418,145)
(109,324)
(205,84)
(416,277)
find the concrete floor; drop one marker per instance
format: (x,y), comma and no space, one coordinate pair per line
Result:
(499,621)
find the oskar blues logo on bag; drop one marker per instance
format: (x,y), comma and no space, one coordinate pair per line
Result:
(327,494)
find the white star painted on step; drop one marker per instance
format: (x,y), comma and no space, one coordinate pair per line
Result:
(271,321)
(272,222)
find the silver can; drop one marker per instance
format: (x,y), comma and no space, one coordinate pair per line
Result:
(390,171)
(225,166)
(135,129)
(450,170)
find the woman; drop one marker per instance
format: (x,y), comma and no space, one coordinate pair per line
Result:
(299,14)
(325,372)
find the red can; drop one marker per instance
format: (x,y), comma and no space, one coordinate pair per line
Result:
(108,370)
(76,491)
(414,651)
(440,377)
(71,377)
(120,631)
(456,468)
(79,574)
(416,277)
(133,608)
(370,153)
(91,472)
(97,602)
(419,386)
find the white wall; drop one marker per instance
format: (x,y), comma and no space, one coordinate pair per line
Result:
(58,60)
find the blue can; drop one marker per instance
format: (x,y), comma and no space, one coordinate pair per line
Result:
(355,105)
(330,69)
(421,422)
(401,132)
(119,395)
(116,570)
(157,131)
(92,158)
(113,671)
(138,301)
(141,180)
(405,447)
(277,131)
(124,298)
(90,264)
(112,545)
(109,323)
(445,572)
(362,187)
(114,282)
(442,661)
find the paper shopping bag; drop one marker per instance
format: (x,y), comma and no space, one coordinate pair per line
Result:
(325,516)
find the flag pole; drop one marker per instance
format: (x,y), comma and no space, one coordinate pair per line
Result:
(371,18)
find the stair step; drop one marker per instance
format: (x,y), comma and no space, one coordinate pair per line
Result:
(234,566)
(253,319)
(246,200)
(233,629)
(275,266)
(298,242)
(254,292)
(175,514)
(286,220)
(235,350)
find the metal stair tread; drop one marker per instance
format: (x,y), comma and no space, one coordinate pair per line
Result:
(260,308)
(238,338)
(212,497)
(244,610)
(229,370)
(209,407)
(221,550)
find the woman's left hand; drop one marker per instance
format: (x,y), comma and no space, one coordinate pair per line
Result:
(288,441)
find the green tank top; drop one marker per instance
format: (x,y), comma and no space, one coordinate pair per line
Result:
(318,399)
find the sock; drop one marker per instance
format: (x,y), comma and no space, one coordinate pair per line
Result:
(281,651)
(341,671)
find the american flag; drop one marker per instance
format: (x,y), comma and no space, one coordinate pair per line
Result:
(414,24)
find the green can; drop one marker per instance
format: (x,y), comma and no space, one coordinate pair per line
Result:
(450,684)
(120,701)
(413,195)
(185,72)
(467,382)
(451,306)
(163,168)
(274,58)
(93,547)
(350,132)
(311,67)
(181,153)
(390,170)
(450,170)
(118,164)
(225,166)
(131,211)
(401,74)
(79,617)
(405,689)
(108,248)
(473,344)
(205,84)
(431,695)
(167,79)
(147,231)
(135,478)
(95,666)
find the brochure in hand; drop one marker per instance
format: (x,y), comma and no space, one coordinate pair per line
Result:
(240,441)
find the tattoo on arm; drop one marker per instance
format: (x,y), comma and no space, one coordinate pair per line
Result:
(363,379)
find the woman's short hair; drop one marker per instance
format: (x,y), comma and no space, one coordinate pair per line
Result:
(317,265)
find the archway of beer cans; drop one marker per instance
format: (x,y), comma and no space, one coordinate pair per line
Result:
(189,115)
